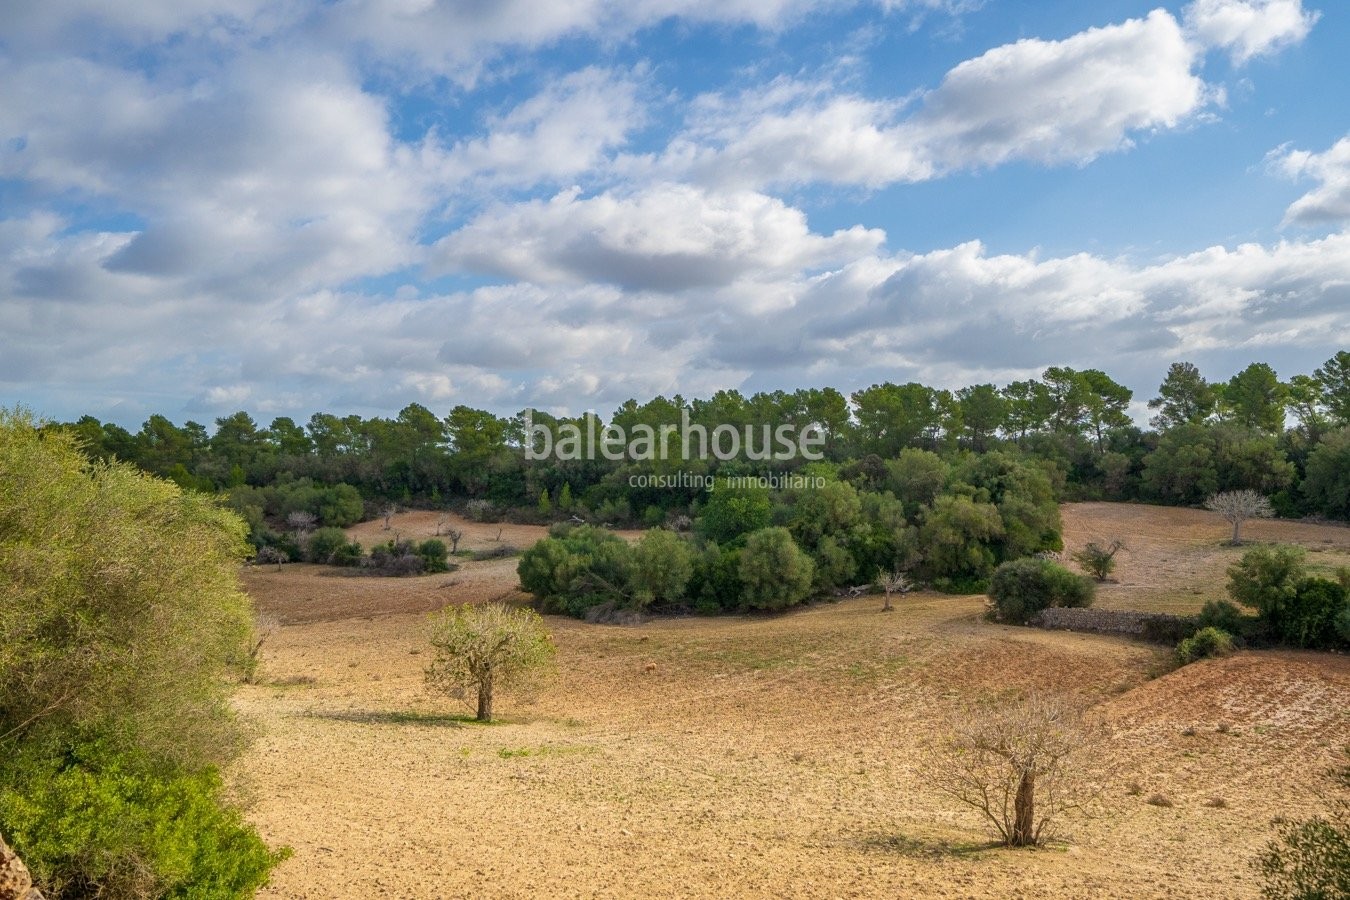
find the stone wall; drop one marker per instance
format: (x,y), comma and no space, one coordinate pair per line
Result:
(1159,627)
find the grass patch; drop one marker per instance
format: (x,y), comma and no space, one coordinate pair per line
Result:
(544,750)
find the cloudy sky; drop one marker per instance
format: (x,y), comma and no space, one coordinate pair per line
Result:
(287,206)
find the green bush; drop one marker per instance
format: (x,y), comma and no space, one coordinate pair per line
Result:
(1265,579)
(1311,617)
(1024,587)
(1224,616)
(324,543)
(349,554)
(1310,858)
(775,573)
(89,822)
(434,555)
(1205,643)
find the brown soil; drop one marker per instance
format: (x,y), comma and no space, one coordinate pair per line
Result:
(769,757)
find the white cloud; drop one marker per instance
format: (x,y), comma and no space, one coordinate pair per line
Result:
(665,238)
(560,133)
(275,176)
(1329,202)
(1249,28)
(1048,102)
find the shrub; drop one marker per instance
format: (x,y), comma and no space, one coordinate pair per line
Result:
(1098,560)
(1310,619)
(349,554)
(1224,616)
(324,543)
(774,572)
(96,823)
(1024,587)
(434,555)
(1265,579)
(1205,643)
(481,511)
(662,566)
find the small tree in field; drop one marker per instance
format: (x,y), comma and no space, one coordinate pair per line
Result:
(1097,559)
(455,535)
(482,648)
(894,582)
(1239,506)
(1014,765)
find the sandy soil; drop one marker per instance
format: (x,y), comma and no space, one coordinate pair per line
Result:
(770,756)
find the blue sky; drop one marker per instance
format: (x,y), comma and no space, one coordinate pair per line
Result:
(287,207)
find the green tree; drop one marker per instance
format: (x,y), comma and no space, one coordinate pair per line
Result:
(1256,398)
(120,621)
(1184,398)
(774,572)
(1326,482)
(1334,378)
(733,512)
(480,649)
(984,411)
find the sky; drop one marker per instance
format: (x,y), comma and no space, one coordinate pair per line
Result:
(349,206)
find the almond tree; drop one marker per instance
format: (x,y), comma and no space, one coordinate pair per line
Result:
(1239,506)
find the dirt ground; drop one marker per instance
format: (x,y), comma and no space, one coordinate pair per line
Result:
(771,756)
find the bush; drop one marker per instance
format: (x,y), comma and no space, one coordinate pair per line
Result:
(1205,643)
(662,566)
(94,823)
(1224,616)
(434,555)
(1098,560)
(324,543)
(774,572)
(1311,618)
(1024,587)
(1265,579)
(349,554)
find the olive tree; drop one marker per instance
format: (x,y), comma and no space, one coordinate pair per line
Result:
(482,648)
(1239,506)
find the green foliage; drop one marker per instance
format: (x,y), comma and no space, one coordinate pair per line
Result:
(715,585)
(956,540)
(662,567)
(1313,615)
(1224,616)
(1326,483)
(434,555)
(1205,643)
(1297,609)
(774,572)
(1266,579)
(324,544)
(91,822)
(733,512)
(1098,560)
(122,607)
(1023,587)
(480,649)
(577,568)
(121,621)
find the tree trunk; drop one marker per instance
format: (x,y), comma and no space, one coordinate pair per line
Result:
(887,607)
(1024,812)
(1237,532)
(485,698)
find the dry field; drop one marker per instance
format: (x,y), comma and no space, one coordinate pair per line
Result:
(770,757)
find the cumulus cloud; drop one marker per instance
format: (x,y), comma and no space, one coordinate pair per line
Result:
(561,132)
(1329,202)
(1049,102)
(1249,28)
(668,237)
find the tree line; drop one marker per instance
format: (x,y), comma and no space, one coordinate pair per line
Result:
(1286,439)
